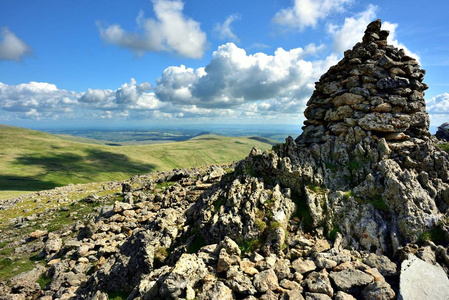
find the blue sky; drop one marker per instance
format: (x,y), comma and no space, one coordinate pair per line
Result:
(137,63)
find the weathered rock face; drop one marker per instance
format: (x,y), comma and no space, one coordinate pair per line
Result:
(443,132)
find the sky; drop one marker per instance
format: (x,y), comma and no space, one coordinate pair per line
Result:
(128,63)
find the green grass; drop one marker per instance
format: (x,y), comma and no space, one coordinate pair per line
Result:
(348,194)
(333,233)
(32,160)
(12,264)
(317,189)
(354,165)
(218,203)
(164,185)
(196,244)
(444,147)
(118,295)
(248,246)
(435,235)
(331,166)
(380,204)
(44,280)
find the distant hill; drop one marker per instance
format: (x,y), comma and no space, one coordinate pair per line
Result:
(32,160)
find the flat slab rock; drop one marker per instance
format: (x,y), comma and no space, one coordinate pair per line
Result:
(350,278)
(421,280)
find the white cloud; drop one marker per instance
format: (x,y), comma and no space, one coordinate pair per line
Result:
(224,30)
(391,27)
(45,100)
(35,97)
(234,77)
(129,95)
(11,47)
(233,85)
(439,104)
(97,96)
(438,109)
(307,13)
(352,30)
(171,31)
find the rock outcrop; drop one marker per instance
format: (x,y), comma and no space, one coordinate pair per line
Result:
(443,132)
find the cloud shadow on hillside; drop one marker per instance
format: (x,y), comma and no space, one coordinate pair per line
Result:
(63,168)
(25,183)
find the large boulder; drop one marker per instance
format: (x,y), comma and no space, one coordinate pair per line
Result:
(421,280)
(443,132)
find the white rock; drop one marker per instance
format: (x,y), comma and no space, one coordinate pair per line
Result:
(421,280)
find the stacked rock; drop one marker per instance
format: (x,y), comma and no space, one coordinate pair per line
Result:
(376,88)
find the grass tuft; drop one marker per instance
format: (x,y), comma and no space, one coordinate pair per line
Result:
(436,235)
(196,244)
(218,203)
(44,280)
(117,295)
(249,246)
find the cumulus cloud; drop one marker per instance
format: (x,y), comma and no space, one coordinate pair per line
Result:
(45,100)
(171,31)
(307,13)
(438,104)
(35,97)
(234,77)
(391,27)
(129,95)
(352,30)
(11,47)
(97,96)
(224,30)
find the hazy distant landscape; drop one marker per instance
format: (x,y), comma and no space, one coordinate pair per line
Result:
(153,135)
(34,160)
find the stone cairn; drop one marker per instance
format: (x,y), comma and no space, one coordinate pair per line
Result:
(375,87)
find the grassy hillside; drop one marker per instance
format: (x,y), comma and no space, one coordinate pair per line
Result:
(32,160)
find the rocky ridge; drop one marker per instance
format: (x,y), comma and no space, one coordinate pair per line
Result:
(330,215)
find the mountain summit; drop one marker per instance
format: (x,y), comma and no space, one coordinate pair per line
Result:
(330,215)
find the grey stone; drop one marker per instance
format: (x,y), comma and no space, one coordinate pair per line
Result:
(349,279)
(343,296)
(240,283)
(266,280)
(317,296)
(385,266)
(189,269)
(421,280)
(216,291)
(318,282)
(282,268)
(303,266)
(378,290)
